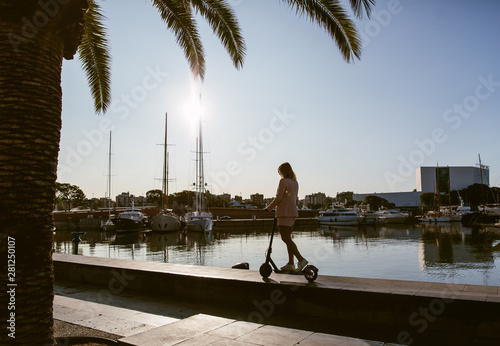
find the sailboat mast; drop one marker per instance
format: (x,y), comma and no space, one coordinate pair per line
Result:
(438,191)
(109,178)
(197,175)
(481,173)
(164,196)
(200,164)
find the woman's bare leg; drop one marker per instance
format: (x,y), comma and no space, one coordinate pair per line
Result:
(286,236)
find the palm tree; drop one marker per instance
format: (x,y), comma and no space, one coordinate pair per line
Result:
(35,37)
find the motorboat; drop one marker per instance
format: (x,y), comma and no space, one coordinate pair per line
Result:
(368,217)
(391,216)
(130,221)
(492,210)
(434,217)
(339,215)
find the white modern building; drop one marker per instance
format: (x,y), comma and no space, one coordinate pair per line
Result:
(459,178)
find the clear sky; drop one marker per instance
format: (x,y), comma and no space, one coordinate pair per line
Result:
(426,92)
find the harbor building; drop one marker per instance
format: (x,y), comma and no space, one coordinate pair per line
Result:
(400,199)
(432,179)
(257,199)
(315,199)
(457,178)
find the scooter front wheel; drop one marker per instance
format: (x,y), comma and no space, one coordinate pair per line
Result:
(310,273)
(265,270)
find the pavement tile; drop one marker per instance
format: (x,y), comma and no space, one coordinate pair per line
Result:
(320,339)
(177,332)
(275,336)
(204,340)
(71,315)
(151,319)
(115,325)
(235,329)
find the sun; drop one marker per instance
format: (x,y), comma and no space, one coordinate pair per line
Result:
(192,108)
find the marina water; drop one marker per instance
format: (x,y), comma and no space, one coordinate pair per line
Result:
(448,253)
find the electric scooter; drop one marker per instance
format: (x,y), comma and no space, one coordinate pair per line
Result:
(310,272)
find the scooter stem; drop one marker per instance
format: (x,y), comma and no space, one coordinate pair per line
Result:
(270,250)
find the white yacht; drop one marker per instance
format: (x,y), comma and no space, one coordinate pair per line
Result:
(339,215)
(433,217)
(368,217)
(391,216)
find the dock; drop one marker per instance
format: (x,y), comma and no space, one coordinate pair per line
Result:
(381,311)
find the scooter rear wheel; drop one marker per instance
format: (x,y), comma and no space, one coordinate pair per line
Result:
(265,270)
(310,273)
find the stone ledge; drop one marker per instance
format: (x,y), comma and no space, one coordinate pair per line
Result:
(400,310)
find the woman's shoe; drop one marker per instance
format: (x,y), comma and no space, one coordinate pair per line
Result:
(288,267)
(301,265)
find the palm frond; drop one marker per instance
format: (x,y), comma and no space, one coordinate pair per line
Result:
(179,18)
(330,15)
(358,6)
(223,21)
(94,55)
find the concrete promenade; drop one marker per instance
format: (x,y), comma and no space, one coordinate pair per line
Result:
(137,319)
(191,305)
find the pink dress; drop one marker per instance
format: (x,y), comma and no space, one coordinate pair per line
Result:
(286,202)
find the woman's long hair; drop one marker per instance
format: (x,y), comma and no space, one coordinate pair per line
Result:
(286,171)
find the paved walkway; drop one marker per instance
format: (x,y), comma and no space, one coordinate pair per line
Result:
(137,319)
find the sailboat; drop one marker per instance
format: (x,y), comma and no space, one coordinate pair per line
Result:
(108,225)
(437,215)
(165,221)
(199,220)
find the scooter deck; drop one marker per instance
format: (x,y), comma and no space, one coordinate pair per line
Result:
(292,272)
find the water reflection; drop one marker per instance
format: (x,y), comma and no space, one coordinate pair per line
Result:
(439,253)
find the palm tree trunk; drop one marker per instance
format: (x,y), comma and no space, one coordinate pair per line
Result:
(33,41)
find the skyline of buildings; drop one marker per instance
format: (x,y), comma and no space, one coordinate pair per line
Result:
(428,179)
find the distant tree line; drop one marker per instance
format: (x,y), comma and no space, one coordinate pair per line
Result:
(71,196)
(68,196)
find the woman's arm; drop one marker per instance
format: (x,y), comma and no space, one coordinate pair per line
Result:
(279,195)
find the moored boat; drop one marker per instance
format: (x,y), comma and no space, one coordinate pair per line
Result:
(165,220)
(199,220)
(339,215)
(129,221)
(391,216)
